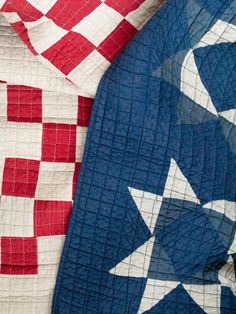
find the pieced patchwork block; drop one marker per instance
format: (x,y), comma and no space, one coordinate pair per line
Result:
(43,135)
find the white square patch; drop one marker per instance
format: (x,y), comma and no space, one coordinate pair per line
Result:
(99,24)
(59,108)
(49,249)
(55,181)
(16,216)
(21,140)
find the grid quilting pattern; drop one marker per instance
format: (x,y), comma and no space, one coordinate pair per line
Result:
(79,38)
(153,224)
(42,137)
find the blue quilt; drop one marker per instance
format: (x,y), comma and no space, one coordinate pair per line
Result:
(153,222)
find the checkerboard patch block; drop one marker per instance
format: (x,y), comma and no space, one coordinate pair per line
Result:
(43,135)
(79,38)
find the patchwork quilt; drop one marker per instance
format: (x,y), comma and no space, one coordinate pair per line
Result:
(78,38)
(52,56)
(42,134)
(153,223)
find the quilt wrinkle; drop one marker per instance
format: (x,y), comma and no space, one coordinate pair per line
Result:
(153,223)
(53,54)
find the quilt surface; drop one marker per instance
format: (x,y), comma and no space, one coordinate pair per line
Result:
(153,223)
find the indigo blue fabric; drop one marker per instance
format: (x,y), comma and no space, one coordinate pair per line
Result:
(153,222)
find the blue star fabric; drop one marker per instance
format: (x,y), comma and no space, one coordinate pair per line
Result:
(153,223)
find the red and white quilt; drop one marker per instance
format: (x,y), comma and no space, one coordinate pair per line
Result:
(42,135)
(45,105)
(78,38)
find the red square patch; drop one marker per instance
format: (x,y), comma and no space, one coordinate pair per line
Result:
(124,7)
(84,110)
(18,256)
(115,42)
(73,48)
(59,142)
(68,13)
(51,217)
(24,104)
(20,177)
